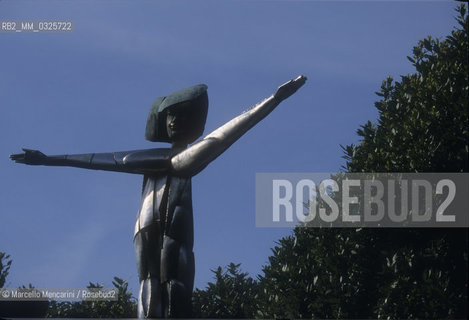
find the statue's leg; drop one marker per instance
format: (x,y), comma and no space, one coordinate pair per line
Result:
(149,302)
(147,247)
(177,274)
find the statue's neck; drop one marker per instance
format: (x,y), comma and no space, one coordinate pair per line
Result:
(178,147)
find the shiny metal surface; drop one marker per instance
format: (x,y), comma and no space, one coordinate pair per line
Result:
(163,236)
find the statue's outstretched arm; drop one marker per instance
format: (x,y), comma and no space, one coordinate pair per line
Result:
(136,161)
(192,160)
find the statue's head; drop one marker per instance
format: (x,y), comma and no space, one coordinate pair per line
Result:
(179,117)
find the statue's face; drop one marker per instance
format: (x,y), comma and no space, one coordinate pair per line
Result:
(179,123)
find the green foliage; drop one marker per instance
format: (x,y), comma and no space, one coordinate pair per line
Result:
(233,295)
(389,273)
(124,307)
(5,264)
(425,275)
(366,273)
(423,119)
(319,273)
(18,309)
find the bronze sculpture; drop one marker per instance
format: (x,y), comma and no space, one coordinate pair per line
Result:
(163,235)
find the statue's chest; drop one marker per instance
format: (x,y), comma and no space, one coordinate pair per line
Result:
(160,197)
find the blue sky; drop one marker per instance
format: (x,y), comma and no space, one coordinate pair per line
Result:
(91,90)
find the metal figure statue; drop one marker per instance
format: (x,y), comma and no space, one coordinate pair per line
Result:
(163,235)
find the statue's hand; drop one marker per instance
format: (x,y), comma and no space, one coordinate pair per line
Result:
(33,157)
(289,88)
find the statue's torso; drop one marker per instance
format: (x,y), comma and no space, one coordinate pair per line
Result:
(167,205)
(163,243)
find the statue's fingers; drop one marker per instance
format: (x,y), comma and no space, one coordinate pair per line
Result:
(19,158)
(300,80)
(298,85)
(16,156)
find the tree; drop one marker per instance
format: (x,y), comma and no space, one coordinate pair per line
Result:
(233,295)
(124,307)
(422,127)
(389,273)
(423,119)
(19,308)
(5,264)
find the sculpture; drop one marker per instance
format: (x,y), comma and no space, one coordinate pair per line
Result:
(163,235)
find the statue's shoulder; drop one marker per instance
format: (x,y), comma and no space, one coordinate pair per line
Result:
(148,154)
